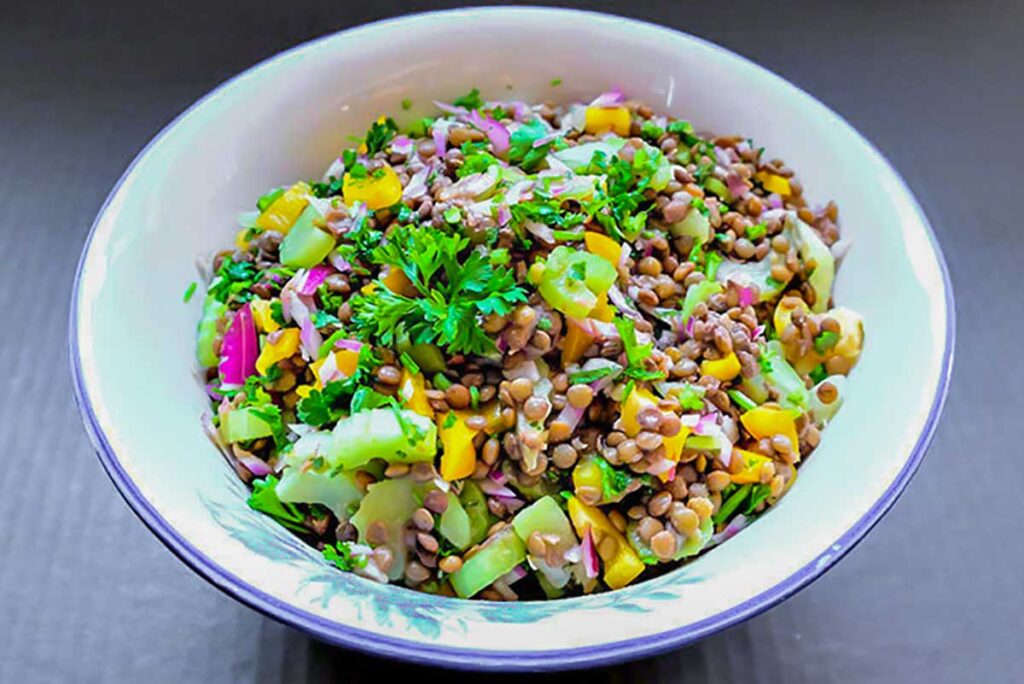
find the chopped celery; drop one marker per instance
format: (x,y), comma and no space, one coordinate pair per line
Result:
(390,502)
(545,516)
(751,273)
(337,491)
(811,248)
(697,293)
(821,411)
(701,443)
(780,377)
(474,503)
(572,280)
(579,157)
(395,435)
(305,245)
(498,556)
(206,334)
(742,400)
(685,546)
(455,524)
(694,225)
(243,424)
(755,388)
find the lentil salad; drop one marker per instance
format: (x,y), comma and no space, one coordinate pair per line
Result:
(527,351)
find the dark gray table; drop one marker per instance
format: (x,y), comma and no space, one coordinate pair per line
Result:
(934,595)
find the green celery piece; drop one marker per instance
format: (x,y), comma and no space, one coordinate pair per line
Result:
(718,188)
(751,273)
(701,443)
(742,400)
(579,157)
(378,433)
(696,544)
(685,546)
(823,413)
(563,290)
(697,293)
(811,247)
(545,516)
(392,503)
(242,425)
(498,556)
(305,245)
(337,491)
(264,499)
(550,591)
(694,225)
(474,503)
(206,333)
(755,388)
(783,379)
(455,524)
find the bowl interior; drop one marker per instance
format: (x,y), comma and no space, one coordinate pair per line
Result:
(286,119)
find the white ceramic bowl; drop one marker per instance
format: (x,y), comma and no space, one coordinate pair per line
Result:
(132,337)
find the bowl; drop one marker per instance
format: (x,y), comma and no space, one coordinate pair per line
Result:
(286,118)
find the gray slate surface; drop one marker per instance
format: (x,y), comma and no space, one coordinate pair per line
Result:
(933,595)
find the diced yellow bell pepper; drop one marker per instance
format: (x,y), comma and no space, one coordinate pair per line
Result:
(621,563)
(764,421)
(851,332)
(724,369)
(603,311)
(784,312)
(458,459)
(774,183)
(281,214)
(346,360)
(577,340)
(603,246)
(638,400)
(380,189)
(285,346)
(396,281)
(586,474)
(604,119)
(240,239)
(413,390)
(492,412)
(262,317)
(752,462)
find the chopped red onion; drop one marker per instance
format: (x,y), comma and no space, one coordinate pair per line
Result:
(746,294)
(622,304)
(571,416)
(511,504)
(256,466)
(239,349)
(329,371)
(722,157)
(492,488)
(612,98)
(439,131)
(351,345)
(737,186)
(401,145)
(588,554)
(417,185)
(498,476)
(840,248)
(758,332)
(504,215)
(774,201)
(313,279)
(339,262)
(731,530)
(662,466)
(300,309)
(335,170)
(514,575)
(541,231)
(450,108)
(526,369)
(689,326)
(572,554)
(496,133)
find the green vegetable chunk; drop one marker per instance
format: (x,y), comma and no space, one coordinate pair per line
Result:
(305,245)
(455,525)
(782,378)
(811,248)
(395,435)
(498,556)
(685,546)
(391,503)
(206,334)
(474,503)
(544,516)
(244,424)
(337,491)
(579,157)
(572,280)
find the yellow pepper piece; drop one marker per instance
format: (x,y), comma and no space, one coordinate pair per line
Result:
(577,340)
(604,119)
(380,189)
(603,311)
(346,360)
(240,241)
(638,400)
(396,281)
(281,214)
(603,246)
(674,449)
(286,344)
(851,332)
(458,459)
(413,391)
(784,312)
(369,288)
(586,474)
(621,564)
(774,183)
(303,390)
(495,422)
(767,422)
(261,316)
(724,369)
(752,462)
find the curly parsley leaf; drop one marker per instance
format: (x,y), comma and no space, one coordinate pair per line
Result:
(470,100)
(635,352)
(379,135)
(264,499)
(523,150)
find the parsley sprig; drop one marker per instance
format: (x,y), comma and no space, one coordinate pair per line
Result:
(454,291)
(636,353)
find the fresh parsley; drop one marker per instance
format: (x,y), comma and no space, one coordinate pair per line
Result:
(233,280)
(757,231)
(380,134)
(264,499)
(341,555)
(523,149)
(470,100)
(635,352)
(189,291)
(825,341)
(691,397)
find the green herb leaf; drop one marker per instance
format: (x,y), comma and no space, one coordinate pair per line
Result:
(470,100)
(825,341)
(379,135)
(189,291)
(757,231)
(264,499)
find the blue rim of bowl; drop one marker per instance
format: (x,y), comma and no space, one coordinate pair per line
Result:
(477,659)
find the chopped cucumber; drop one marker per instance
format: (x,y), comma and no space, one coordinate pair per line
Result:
(242,425)
(206,334)
(751,273)
(498,556)
(780,377)
(455,524)
(694,225)
(474,503)
(545,517)
(397,436)
(392,503)
(578,158)
(305,245)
